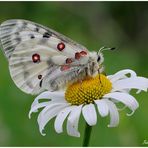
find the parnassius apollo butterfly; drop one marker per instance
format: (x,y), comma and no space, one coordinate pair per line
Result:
(42,59)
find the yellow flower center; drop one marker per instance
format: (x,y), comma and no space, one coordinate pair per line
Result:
(90,89)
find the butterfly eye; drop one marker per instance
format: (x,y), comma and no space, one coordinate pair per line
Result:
(98,58)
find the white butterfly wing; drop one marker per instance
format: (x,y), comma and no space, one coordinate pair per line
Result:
(13,32)
(37,55)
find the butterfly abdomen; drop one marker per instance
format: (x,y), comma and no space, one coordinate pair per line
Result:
(76,75)
(61,82)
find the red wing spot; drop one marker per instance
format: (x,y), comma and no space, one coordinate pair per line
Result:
(39,76)
(65,67)
(77,55)
(83,53)
(36,58)
(68,60)
(60,46)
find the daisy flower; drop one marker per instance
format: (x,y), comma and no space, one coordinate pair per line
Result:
(99,94)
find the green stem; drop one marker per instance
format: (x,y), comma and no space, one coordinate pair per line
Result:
(87,135)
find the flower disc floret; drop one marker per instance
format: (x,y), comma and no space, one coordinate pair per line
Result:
(88,90)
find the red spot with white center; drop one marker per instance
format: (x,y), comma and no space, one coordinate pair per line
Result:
(65,67)
(77,55)
(60,46)
(68,60)
(36,58)
(83,53)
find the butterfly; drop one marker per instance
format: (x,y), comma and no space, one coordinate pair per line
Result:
(43,59)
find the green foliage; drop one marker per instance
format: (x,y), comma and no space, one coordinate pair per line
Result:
(93,24)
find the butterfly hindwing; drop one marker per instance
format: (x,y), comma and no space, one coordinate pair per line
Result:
(38,56)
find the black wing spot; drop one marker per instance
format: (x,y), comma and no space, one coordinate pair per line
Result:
(32,36)
(7,42)
(40,84)
(47,35)
(10,49)
(17,33)
(39,76)
(37,29)
(18,39)
(26,74)
(24,25)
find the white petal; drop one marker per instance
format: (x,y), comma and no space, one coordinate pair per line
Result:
(44,95)
(48,113)
(72,121)
(48,108)
(121,108)
(138,91)
(89,114)
(125,98)
(36,107)
(57,95)
(49,96)
(114,115)
(102,107)
(58,124)
(121,74)
(123,90)
(140,83)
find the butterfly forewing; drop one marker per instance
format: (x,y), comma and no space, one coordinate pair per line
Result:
(13,32)
(38,56)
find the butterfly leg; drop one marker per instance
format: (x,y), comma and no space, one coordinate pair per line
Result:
(99,77)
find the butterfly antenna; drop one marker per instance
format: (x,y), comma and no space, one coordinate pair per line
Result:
(105,48)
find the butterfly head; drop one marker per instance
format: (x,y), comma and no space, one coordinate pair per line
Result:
(100,58)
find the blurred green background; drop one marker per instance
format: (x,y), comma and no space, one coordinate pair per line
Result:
(94,24)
